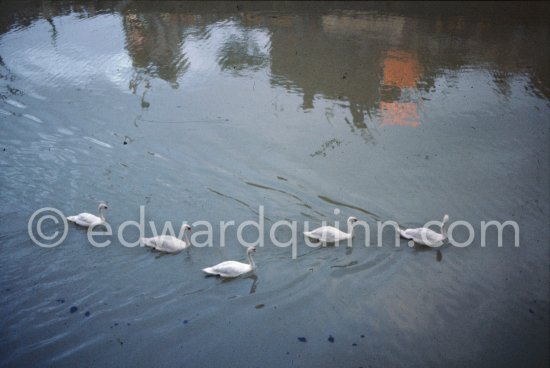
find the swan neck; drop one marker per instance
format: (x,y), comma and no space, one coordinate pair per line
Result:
(251,261)
(101,215)
(186,238)
(444,229)
(350,228)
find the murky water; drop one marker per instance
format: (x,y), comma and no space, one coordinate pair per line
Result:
(207,112)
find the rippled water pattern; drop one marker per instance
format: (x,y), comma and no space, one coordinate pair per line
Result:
(209,111)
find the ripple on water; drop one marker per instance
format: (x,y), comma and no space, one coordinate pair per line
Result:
(33,118)
(98,142)
(15,103)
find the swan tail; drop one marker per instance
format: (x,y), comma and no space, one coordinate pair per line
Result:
(402,234)
(209,271)
(147,242)
(71,218)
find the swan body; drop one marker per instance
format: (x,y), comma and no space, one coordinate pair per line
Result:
(329,234)
(168,243)
(425,236)
(87,219)
(233,268)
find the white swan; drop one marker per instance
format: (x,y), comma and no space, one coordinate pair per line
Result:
(168,243)
(329,234)
(233,268)
(425,236)
(87,219)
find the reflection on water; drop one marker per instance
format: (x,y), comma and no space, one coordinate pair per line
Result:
(223,111)
(399,113)
(401,74)
(154,43)
(401,69)
(252,277)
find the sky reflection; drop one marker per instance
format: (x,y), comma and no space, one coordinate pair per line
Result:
(387,77)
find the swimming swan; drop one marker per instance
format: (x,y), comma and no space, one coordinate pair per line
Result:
(87,219)
(168,243)
(425,236)
(329,234)
(233,268)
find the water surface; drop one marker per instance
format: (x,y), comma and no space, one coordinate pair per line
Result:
(209,111)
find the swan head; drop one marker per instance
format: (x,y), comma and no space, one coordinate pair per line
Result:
(102,206)
(250,250)
(186,227)
(445,218)
(352,220)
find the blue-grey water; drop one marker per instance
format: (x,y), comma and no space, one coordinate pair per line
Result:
(317,112)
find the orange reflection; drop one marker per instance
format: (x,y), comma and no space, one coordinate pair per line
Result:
(399,113)
(402,70)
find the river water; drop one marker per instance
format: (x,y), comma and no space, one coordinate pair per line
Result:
(308,113)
